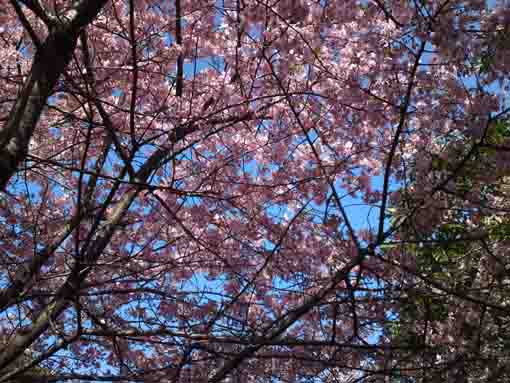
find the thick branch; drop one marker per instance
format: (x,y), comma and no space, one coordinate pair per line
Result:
(49,63)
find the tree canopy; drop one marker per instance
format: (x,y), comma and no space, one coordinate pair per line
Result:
(255,191)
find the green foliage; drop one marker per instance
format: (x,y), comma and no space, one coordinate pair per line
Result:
(438,163)
(498,132)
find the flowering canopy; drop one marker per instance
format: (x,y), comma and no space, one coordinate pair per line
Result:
(254,190)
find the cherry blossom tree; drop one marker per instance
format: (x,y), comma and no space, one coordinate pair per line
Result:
(254,190)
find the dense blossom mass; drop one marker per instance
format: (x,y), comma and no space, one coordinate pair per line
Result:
(255,191)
